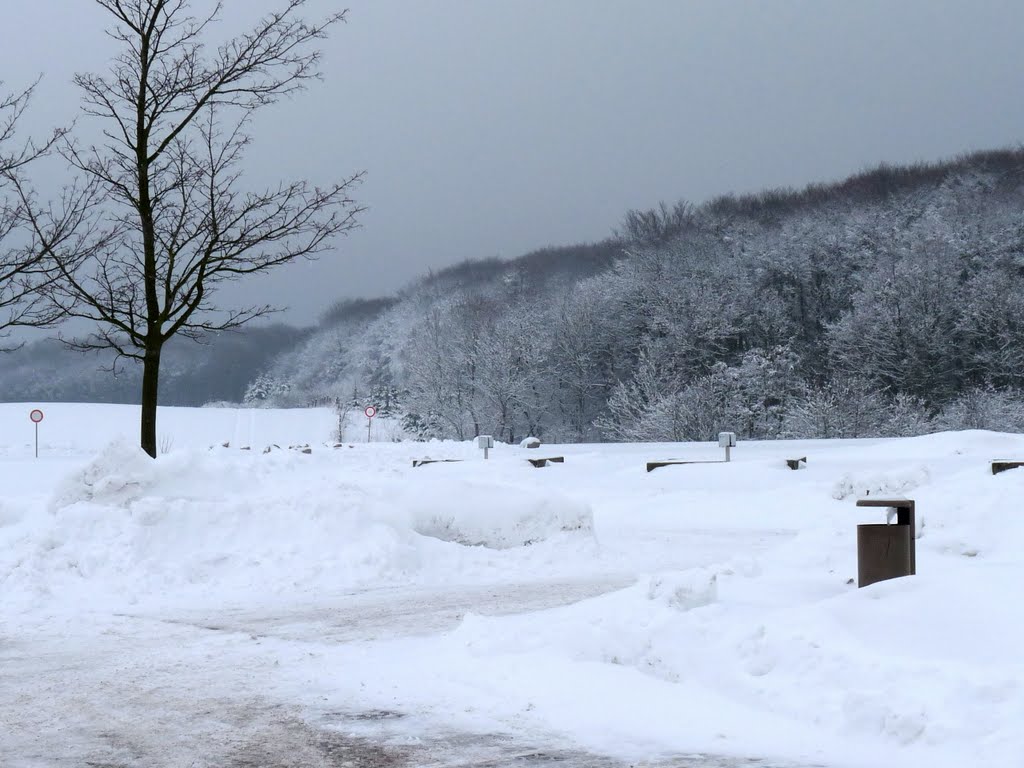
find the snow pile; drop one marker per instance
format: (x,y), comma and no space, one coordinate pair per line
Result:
(880,484)
(500,509)
(684,591)
(120,474)
(187,546)
(220,522)
(888,669)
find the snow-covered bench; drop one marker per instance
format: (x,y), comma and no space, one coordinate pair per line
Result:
(1002,465)
(653,465)
(541,462)
(544,462)
(421,462)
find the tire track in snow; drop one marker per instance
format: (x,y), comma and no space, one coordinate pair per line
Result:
(396,612)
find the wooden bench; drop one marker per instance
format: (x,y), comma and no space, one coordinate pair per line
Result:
(422,462)
(1003,465)
(653,465)
(795,463)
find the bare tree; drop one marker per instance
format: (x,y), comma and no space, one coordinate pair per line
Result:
(656,226)
(25,267)
(176,224)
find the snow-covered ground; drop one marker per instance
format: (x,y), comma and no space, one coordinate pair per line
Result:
(227,606)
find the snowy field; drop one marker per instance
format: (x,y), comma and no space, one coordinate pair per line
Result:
(229,607)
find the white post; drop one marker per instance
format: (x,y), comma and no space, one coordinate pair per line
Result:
(726,440)
(485,442)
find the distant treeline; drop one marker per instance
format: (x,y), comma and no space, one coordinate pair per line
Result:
(194,374)
(888,303)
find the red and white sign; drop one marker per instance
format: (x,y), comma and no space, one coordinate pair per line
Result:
(370,411)
(36,415)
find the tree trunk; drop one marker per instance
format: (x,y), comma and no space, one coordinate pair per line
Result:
(150,383)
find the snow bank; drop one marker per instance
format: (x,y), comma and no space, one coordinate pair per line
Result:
(867,671)
(495,505)
(225,523)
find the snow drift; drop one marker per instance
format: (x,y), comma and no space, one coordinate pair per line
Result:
(227,522)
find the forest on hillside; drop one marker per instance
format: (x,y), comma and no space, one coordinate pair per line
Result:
(891,303)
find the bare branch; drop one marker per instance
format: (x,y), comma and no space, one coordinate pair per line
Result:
(26,269)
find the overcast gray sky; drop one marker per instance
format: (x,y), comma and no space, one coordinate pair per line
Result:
(494,127)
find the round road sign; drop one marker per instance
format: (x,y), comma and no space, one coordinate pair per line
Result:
(370,411)
(36,415)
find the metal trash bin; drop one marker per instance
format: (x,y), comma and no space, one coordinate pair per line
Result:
(886,550)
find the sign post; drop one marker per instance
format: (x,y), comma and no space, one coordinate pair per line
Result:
(36,416)
(370,412)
